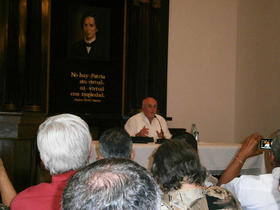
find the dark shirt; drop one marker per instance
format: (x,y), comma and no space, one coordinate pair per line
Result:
(96,52)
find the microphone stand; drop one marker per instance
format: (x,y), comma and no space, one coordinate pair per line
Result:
(159,125)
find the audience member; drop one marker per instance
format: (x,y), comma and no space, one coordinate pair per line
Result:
(189,138)
(254,192)
(112,184)
(116,143)
(64,143)
(147,123)
(178,170)
(6,188)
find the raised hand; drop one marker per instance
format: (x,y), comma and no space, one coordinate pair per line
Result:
(160,134)
(250,147)
(143,132)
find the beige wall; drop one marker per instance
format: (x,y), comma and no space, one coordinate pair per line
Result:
(223,66)
(201,66)
(258,67)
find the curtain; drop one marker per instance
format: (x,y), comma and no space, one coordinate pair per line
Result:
(147,44)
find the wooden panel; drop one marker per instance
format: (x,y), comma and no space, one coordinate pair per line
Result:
(20,159)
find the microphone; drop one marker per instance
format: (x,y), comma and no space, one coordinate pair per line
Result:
(159,125)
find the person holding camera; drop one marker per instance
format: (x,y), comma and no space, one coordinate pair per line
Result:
(254,191)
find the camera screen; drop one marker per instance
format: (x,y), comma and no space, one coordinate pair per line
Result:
(265,143)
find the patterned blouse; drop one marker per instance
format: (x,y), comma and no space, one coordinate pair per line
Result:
(3,207)
(212,198)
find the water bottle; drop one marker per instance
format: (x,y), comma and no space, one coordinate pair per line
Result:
(195,131)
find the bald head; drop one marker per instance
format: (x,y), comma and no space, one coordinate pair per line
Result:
(112,184)
(149,107)
(148,100)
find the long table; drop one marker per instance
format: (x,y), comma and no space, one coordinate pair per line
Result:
(215,156)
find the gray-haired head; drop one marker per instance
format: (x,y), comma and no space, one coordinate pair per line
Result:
(115,184)
(64,143)
(115,143)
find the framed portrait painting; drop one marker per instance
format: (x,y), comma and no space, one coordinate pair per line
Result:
(86,57)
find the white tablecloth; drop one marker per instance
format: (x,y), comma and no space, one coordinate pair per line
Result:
(215,156)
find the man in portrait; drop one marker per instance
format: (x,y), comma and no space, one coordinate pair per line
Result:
(90,46)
